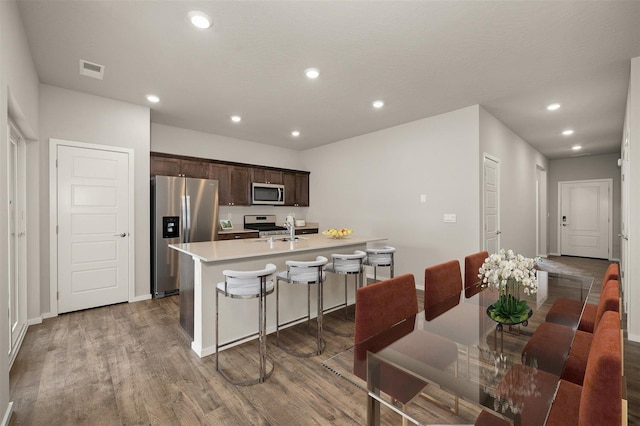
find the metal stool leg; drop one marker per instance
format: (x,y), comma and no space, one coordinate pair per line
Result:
(262,327)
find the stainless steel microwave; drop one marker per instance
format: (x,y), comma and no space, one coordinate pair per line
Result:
(267,193)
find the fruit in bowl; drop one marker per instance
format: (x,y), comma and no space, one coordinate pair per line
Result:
(338,233)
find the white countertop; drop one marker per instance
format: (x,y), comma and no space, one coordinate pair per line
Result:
(216,251)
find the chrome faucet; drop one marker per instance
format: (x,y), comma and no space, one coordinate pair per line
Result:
(292,230)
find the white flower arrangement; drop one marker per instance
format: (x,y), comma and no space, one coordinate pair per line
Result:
(501,268)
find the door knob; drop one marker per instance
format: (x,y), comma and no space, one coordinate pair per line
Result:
(122,235)
(498,232)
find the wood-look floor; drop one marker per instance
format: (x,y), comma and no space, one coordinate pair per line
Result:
(131,364)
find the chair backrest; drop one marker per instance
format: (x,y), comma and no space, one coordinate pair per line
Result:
(612,273)
(441,282)
(246,282)
(348,262)
(380,256)
(472,264)
(609,301)
(601,398)
(383,304)
(306,271)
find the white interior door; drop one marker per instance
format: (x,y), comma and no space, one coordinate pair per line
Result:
(624,226)
(17,294)
(585,218)
(541,212)
(491,204)
(93,227)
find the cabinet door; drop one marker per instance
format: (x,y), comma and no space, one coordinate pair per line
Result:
(289,180)
(274,176)
(222,173)
(239,186)
(302,189)
(266,175)
(195,169)
(165,166)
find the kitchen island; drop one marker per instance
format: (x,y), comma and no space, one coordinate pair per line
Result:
(201,266)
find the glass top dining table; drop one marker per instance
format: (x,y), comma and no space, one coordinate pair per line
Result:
(455,356)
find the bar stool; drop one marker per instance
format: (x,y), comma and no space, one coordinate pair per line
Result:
(348,264)
(380,257)
(248,285)
(305,273)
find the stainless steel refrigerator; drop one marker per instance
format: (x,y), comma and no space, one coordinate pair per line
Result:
(183,210)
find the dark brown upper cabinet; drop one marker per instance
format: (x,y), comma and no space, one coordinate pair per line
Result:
(296,189)
(233,183)
(261,175)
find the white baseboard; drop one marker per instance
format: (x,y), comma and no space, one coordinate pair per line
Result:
(14,353)
(7,414)
(48,315)
(615,259)
(34,321)
(555,254)
(633,337)
(140,298)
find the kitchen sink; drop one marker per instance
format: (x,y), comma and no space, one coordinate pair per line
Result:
(287,239)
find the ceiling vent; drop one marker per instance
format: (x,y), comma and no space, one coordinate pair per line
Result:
(92,70)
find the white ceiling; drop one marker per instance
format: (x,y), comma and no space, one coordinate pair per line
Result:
(422,57)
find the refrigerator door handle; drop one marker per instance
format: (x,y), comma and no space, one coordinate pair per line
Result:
(188,219)
(183,216)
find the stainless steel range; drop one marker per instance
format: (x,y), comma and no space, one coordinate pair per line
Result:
(265,224)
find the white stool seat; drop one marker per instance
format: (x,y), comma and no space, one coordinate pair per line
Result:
(301,272)
(248,285)
(348,264)
(306,273)
(380,257)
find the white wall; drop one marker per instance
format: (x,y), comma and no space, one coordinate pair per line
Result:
(584,168)
(75,116)
(632,270)
(518,162)
(174,140)
(373,183)
(18,87)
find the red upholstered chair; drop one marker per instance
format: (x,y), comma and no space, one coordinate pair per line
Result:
(441,282)
(472,264)
(567,311)
(379,306)
(547,348)
(598,402)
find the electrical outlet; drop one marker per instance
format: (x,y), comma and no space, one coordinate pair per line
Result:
(450,218)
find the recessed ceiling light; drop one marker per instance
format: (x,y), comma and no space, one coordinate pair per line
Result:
(576,147)
(567,132)
(553,107)
(236,118)
(200,20)
(378,104)
(295,133)
(312,73)
(153,98)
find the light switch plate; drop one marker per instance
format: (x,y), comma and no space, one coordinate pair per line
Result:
(450,218)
